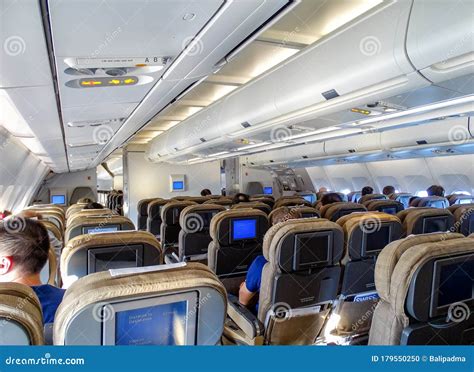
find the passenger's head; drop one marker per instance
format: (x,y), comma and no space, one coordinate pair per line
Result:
(330,198)
(94,205)
(413,201)
(284,214)
(323,189)
(388,190)
(367,190)
(24,247)
(85,200)
(5,214)
(240,198)
(206,192)
(435,190)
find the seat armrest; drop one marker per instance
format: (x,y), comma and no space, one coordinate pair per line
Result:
(244,318)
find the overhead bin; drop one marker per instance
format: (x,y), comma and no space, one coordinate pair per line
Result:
(353,145)
(454,130)
(364,60)
(440,40)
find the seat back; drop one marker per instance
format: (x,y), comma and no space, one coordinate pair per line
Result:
(170,227)
(402,197)
(426,220)
(263,199)
(221,201)
(88,254)
(464,217)
(291,202)
(153,224)
(456,199)
(97,224)
(194,237)
(300,279)
(198,199)
(89,213)
(254,205)
(385,206)
(364,199)
(354,196)
(182,304)
(433,202)
(20,316)
(425,284)
(142,213)
(237,237)
(74,208)
(335,211)
(365,235)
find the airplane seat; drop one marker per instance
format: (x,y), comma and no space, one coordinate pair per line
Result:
(88,254)
(170,228)
(142,213)
(253,205)
(54,229)
(194,237)
(260,196)
(291,202)
(74,209)
(366,198)
(198,199)
(119,204)
(426,220)
(182,304)
(153,223)
(262,199)
(225,202)
(365,235)
(306,212)
(385,206)
(299,282)
(433,202)
(354,196)
(90,213)
(334,211)
(237,237)
(464,217)
(50,214)
(21,325)
(426,292)
(456,199)
(97,224)
(402,197)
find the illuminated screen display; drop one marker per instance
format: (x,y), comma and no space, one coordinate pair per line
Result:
(156,325)
(178,185)
(100,229)
(58,199)
(268,190)
(244,229)
(310,198)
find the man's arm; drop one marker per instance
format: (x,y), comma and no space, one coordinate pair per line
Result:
(245,296)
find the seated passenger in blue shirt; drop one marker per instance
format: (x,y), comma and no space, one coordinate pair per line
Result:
(249,290)
(24,248)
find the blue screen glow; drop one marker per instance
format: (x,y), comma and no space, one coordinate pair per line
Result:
(268,190)
(157,325)
(244,229)
(178,185)
(309,198)
(58,199)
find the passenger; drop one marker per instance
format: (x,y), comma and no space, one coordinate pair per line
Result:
(435,190)
(322,189)
(388,190)
(206,192)
(367,190)
(413,201)
(249,289)
(24,248)
(94,205)
(240,198)
(85,200)
(330,198)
